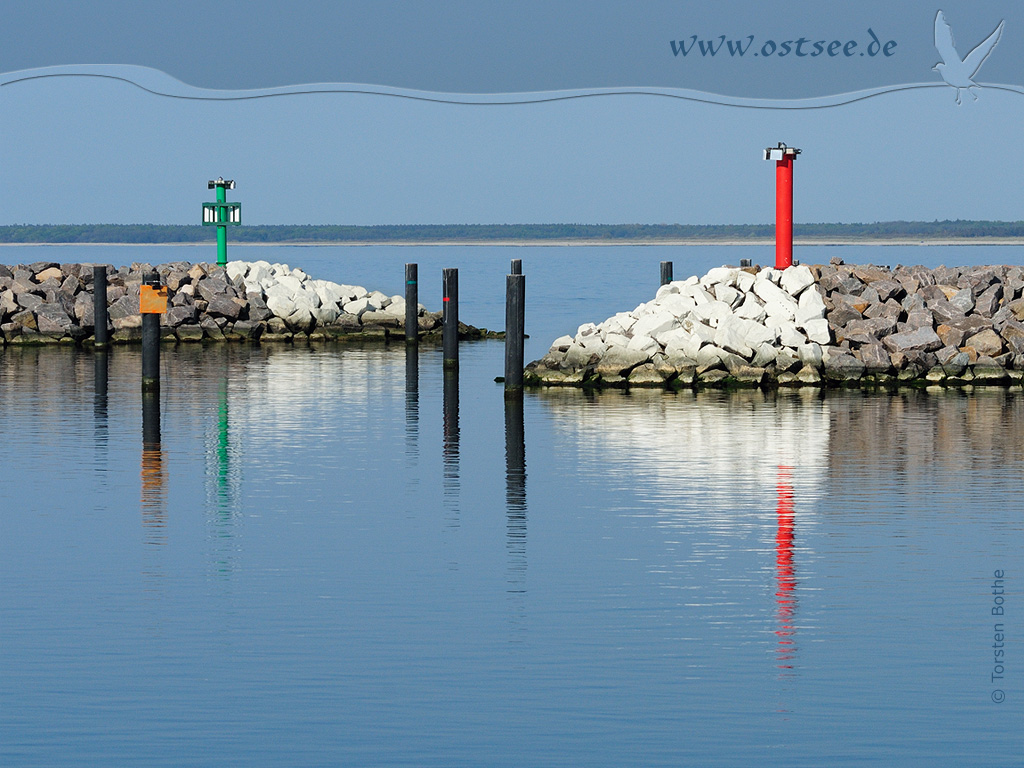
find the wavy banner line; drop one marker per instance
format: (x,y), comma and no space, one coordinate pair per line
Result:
(161,84)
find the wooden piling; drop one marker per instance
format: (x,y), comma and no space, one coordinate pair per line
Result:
(515,324)
(450,317)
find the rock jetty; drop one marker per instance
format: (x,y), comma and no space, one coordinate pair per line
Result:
(51,303)
(823,325)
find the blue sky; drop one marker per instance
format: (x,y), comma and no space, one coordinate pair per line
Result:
(84,149)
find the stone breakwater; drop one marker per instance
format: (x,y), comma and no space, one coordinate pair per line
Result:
(50,303)
(827,325)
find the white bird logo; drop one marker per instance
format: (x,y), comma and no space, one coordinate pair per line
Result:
(955,71)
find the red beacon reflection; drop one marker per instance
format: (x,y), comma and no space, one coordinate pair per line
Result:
(785,572)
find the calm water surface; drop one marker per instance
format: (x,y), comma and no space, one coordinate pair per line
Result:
(338,556)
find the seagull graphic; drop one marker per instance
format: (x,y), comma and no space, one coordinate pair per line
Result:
(955,71)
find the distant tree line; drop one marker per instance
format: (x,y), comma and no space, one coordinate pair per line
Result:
(397,233)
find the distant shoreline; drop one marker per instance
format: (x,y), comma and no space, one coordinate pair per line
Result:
(568,242)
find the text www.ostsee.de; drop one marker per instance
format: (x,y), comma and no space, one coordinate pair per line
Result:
(802,47)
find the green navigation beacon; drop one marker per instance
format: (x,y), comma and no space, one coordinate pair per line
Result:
(221,214)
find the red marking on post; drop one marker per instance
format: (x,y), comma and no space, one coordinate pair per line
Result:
(445,299)
(784,211)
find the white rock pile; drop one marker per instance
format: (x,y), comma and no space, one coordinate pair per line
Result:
(733,324)
(303,303)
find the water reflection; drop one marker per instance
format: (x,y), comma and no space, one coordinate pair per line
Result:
(722,479)
(412,402)
(515,494)
(101,429)
(912,434)
(224,478)
(450,446)
(785,573)
(154,488)
(709,459)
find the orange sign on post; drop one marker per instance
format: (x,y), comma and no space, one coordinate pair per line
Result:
(152,300)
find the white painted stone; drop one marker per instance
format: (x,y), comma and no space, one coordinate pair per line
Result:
(616,340)
(380,299)
(290,282)
(666,290)
(728,295)
(686,345)
(811,306)
(771,274)
(817,330)
(790,336)
(326,314)
(769,291)
(709,355)
(755,334)
(281,305)
(396,307)
(764,355)
(299,275)
(310,296)
(327,291)
(624,320)
(795,279)
(643,344)
(744,281)
(593,344)
(258,272)
(586,330)
(781,310)
(576,356)
(750,309)
(673,335)
(698,294)
(678,304)
(729,336)
(300,318)
(561,344)
(712,312)
(653,324)
(719,276)
(358,307)
(236,269)
(810,354)
(276,289)
(700,330)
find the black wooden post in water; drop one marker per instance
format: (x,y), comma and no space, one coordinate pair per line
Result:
(412,303)
(517,267)
(99,307)
(450,317)
(515,325)
(151,342)
(666,272)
